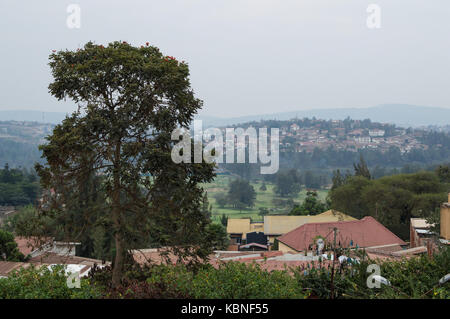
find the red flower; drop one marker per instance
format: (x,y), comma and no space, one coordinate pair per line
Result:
(146,43)
(53,50)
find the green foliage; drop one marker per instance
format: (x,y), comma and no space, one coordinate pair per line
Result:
(287,183)
(241,194)
(443,172)
(263,211)
(392,200)
(410,278)
(224,220)
(310,206)
(17,187)
(221,199)
(232,280)
(8,247)
(361,168)
(113,157)
(43,283)
(216,235)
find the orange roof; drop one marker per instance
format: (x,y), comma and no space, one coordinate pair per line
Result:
(366,232)
(27,245)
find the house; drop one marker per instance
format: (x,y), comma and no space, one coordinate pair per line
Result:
(73,263)
(34,246)
(257,238)
(445,220)
(419,232)
(253,247)
(363,233)
(275,226)
(238,228)
(376,133)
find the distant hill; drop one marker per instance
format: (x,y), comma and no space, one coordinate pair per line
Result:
(32,116)
(400,114)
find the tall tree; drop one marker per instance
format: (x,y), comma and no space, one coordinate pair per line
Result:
(287,183)
(130,99)
(361,168)
(241,194)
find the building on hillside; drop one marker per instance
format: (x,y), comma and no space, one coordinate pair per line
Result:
(376,133)
(275,226)
(363,233)
(445,220)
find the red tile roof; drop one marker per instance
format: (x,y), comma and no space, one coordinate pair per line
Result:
(27,245)
(53,258)
(366,232)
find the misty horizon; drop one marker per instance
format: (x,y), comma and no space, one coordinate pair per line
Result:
(246,57)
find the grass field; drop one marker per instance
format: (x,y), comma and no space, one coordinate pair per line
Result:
(263,199)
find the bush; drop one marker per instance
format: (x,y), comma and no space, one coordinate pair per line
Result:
(43,283)
(231,280)
(410,278)
(237,280)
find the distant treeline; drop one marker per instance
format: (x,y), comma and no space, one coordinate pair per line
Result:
(18,154)
(18,187)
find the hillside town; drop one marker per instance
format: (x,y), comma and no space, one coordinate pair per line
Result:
(295,138)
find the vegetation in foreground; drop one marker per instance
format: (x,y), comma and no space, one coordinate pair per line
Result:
(410,278)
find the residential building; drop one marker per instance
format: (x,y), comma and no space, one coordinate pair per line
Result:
(445,220)
(366,232)
(238,228)
(419,232)
(275,226)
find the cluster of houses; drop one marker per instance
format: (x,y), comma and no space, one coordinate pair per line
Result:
(48,252)
(299,139)
(279,242)
(293,239)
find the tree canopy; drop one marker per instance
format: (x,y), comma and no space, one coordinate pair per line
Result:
(130,99)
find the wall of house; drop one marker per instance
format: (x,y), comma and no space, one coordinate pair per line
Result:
(63,250)
(445,219)
(271,238)
(285,248)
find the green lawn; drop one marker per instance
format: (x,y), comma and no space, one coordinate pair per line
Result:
(263,199)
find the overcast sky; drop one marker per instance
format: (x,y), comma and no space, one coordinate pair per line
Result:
(246,57)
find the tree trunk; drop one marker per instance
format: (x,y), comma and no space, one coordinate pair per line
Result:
(118,260)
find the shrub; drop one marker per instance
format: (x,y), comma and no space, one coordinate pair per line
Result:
(43,283)
(238,280)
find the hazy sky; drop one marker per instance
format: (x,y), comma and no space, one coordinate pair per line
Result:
(246,57)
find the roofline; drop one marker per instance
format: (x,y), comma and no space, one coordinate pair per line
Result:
(402,242)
